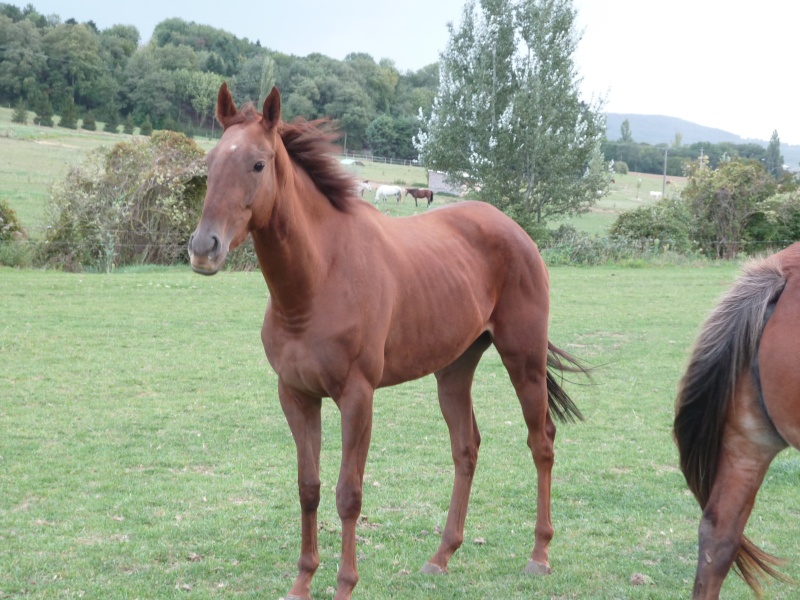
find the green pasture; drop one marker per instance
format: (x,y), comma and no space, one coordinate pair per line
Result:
(626,192)
(143,452)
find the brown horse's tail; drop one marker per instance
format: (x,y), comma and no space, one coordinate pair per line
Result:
(724,350)
(558,363)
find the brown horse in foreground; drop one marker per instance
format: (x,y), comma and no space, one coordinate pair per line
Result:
(359,300)
(738,406)
(417,193)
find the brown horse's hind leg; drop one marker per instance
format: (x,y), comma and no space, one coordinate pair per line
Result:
(524,354)
(455,400)
(303,415)
(748,447)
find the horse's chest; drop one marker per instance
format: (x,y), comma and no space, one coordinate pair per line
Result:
(305,363)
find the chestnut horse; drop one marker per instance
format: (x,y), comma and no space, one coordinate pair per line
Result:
(420,193)
(346,284)
(738,405)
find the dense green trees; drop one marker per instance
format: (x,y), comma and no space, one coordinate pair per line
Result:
(171,82)
(646,158)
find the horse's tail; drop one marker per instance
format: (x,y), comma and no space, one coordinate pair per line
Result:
(431,202)
(558,363)
(724,351)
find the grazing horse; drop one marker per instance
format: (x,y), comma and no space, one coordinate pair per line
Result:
(738,405)
(363,186)
(420,193)
(346,284)
(388,190)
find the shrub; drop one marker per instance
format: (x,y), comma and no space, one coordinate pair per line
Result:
(89,123)
(571,247)
(147,127)
(10,226)
(69,116)
(620,167)
(133,204)
(44,116)
(14,248)
(20,114)
(776,224)
(722,202)
(667,222)
(112,122)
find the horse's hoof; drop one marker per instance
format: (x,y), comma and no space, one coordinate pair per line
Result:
(432,569)
(536,568)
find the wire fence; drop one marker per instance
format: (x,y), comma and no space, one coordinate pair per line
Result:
(379,159)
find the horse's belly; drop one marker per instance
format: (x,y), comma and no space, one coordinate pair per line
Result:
(430,345)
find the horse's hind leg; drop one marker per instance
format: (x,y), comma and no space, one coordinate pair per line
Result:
(522,345)
(455,400)
(749,443)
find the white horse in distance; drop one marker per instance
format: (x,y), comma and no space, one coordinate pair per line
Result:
(388,190)
(363,186)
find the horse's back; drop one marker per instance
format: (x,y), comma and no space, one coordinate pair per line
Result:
(451,273)
(779,352)
(469,253)
(483,225)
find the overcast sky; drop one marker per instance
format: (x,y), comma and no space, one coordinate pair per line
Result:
(713,62)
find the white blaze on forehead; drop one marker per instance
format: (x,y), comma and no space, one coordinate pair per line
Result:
(233,148)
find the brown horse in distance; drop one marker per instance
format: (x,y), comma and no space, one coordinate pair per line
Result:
(420,193)
(738,405)
(346,284)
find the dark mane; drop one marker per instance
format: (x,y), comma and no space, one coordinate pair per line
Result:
(311,144)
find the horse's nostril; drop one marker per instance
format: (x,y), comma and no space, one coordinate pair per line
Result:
(215,247)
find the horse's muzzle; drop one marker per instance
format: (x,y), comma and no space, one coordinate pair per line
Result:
(205,253)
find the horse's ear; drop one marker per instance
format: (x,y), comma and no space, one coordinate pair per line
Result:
(226,109)
(272,109)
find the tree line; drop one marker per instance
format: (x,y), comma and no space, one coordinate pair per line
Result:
(674,159)
(83,73)
(64,67)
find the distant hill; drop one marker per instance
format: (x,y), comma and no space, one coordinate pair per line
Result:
(658,129)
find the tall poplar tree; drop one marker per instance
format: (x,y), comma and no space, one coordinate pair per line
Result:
(508,119)
(773,161)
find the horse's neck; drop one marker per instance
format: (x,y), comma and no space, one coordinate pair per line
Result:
(291,245)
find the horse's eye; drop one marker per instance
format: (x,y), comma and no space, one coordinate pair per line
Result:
(259,166)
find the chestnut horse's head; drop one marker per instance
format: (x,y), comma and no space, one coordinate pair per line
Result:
(241,179)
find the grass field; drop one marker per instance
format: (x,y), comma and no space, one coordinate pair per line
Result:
(143,452)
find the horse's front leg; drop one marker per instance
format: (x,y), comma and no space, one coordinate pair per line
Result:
(355,406)
(303,415)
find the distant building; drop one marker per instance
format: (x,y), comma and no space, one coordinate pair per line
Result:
(437,182)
